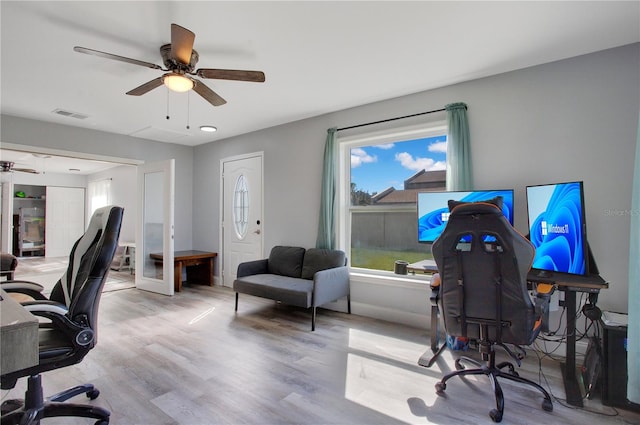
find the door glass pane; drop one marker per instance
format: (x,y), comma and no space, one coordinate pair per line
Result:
(241,207)
(153,222)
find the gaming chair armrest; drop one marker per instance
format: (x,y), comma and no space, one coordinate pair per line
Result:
(32,289)
(435,288)
(45,308)
(80,333)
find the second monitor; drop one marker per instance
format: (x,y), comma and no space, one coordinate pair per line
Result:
(433,209)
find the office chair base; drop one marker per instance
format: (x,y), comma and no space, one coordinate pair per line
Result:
(493,371)
(34,408)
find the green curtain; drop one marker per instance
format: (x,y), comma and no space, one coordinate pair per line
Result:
(459,175)
(633,330)
(326,225)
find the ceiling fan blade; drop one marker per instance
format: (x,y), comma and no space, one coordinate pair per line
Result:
(146,87)
(181,43)
(209,95)
(231,74)
(26,170)
(116,57)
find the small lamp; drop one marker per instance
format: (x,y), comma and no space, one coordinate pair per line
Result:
(177,82)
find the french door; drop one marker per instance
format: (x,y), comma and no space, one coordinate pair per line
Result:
(154,227)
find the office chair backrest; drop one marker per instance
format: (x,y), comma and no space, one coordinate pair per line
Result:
(483,263)
(81,285)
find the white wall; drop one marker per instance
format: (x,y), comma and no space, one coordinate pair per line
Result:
(574,119)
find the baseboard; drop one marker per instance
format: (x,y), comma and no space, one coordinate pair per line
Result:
(421,321)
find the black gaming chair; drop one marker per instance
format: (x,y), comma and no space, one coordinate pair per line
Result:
(70,329)
(483,263)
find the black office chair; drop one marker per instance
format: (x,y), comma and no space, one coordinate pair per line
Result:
(483,263)
(70,329)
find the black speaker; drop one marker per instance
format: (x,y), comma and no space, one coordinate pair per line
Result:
(614,385)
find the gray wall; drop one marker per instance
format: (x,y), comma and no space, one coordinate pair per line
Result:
(570,120)
(574,119)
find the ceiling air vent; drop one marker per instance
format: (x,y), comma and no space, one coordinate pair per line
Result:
(70,114)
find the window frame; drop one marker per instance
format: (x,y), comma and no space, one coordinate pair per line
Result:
(343,192)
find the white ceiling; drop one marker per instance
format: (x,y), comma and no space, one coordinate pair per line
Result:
(318,57)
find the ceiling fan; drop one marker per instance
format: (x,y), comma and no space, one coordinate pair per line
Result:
(180,61)
(8,166)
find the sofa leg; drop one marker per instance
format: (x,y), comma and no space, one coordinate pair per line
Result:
(236,302)
(349,303)
(313,319)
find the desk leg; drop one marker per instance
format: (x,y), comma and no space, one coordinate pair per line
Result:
(571,387)
(177,276)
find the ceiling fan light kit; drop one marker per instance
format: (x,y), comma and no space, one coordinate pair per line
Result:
(177,82)
(180,59)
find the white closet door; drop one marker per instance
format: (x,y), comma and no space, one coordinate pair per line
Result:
(64,219)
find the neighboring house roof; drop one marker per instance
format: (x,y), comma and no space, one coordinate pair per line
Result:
(422,181)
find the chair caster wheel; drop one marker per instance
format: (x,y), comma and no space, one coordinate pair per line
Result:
(101,422)
(547,406)
(440,387)
(93,394)
(459,365)
(496,416)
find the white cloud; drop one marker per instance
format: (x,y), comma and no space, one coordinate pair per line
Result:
(416,164)
(438,147)
(360,156)
(385,146)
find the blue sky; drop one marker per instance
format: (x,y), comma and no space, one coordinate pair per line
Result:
(376,168)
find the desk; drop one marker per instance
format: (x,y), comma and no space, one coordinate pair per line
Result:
(570,285)
(199,265)
(18,336)
(424,266)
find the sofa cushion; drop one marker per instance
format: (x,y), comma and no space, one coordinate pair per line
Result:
(316,259)
(289,290)
(286,260)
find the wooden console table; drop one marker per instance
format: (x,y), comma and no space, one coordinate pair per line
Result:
(199,265)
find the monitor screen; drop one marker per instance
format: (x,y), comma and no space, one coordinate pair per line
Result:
(433,209)
(557,228)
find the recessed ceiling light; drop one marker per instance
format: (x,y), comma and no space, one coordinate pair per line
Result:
(208,128)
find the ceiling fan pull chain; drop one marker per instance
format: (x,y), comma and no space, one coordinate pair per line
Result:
(168,103)
(188,108)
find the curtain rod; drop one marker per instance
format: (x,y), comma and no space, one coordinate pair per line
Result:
(391,119)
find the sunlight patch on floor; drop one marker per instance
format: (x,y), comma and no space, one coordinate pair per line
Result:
(376,364)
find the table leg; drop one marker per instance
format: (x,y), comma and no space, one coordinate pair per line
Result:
(177,276)
(571,387)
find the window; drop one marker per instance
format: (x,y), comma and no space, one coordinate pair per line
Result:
(99,194)
(380,175)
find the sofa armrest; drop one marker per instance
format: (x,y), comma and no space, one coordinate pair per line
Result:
(253,267)
(330,285)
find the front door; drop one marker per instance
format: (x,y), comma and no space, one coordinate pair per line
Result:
(154,227)
(242,226)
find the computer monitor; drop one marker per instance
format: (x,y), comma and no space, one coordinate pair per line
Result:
(433,209)
(557,228)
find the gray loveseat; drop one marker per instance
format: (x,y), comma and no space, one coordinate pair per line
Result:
(295,276)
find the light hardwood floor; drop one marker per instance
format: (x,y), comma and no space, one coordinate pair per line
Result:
(190,359)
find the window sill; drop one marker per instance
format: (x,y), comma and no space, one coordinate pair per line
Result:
(391,279)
